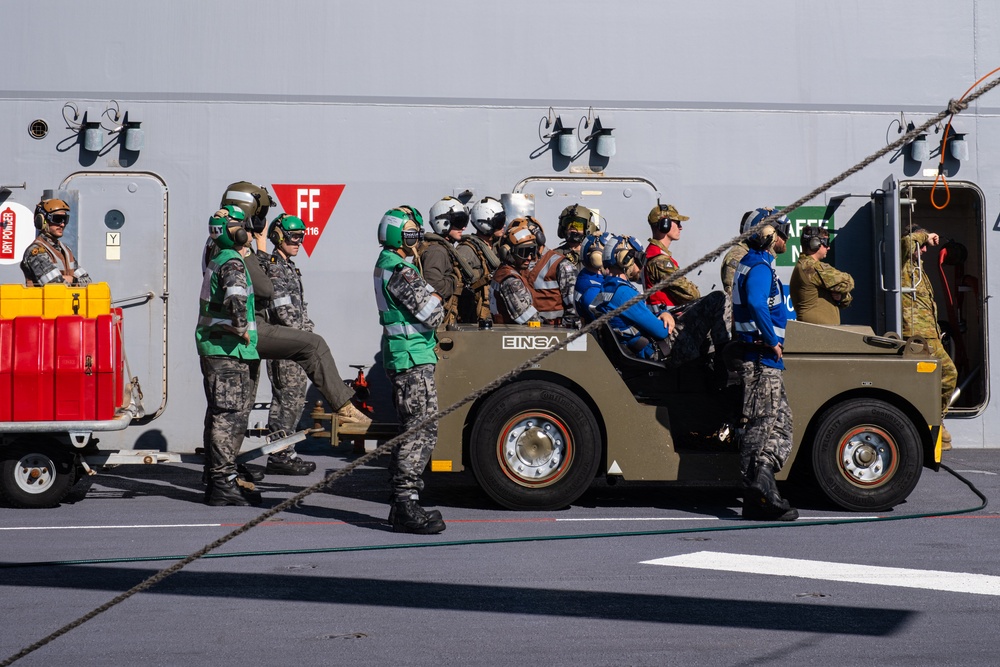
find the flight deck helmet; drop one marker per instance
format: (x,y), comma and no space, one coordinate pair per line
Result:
(487,216)
(575,222)
(51,210)
(448,214)
(622,252)
(253,200)
(221,221)
(286,229)
(391,232)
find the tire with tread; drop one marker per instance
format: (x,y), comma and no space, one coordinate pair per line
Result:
(535,445)
(35,475)
(867,455)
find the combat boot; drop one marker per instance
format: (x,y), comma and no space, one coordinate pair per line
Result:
(762,501)
(945,439)
(348,414)
(432,515)
(406,516)
(289,464)
(225,491)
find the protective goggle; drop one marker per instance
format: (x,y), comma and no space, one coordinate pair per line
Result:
(456,219)
(783,227)
(295,238)
(633,256)
(59,219)
(524,251)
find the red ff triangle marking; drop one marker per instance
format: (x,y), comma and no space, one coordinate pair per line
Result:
(312,203)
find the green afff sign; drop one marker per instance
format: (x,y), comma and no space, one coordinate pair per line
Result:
(800,218)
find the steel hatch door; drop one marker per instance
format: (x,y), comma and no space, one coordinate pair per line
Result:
(122,238)
(623,203)
(886,230)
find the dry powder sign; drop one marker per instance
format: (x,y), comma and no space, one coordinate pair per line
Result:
(17,231)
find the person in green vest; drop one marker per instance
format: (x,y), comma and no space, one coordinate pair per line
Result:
(226,337)
(409,311)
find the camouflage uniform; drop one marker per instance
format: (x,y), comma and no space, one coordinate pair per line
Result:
(474,302)
(767,430)
(570,252)
(920,317)
(511,293)
(287,308)
(49,261)
(230,382)
(409,359)
(660,266)
(440,269)
(729,264)
(812,288)
(306,348)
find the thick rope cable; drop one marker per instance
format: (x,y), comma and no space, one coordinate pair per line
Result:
(954,107)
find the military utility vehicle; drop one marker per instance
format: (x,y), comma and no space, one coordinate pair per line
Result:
(866,414)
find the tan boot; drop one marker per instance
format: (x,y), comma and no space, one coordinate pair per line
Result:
(348,414)
(945,439)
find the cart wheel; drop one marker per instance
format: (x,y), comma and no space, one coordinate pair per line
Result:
(36,475)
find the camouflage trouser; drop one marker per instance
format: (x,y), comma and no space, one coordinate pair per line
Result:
(415,395)
(704,317)
(767,431)
(310,351)
(230,387)
(288,396)
(949,374)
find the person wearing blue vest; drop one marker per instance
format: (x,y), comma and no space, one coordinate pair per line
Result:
(759,318)
(226,338)
(409,311)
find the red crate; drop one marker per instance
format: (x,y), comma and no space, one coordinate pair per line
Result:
(110,366)
(75,395)
(33,377)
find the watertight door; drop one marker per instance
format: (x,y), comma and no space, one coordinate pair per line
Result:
(121,240)
(886,230)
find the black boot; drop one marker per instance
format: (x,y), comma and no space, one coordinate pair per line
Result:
(249,474)
(289,465)
(762,500)
(224,491)
(406,516)
(432,515)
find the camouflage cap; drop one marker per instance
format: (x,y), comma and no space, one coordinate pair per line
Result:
(664,212)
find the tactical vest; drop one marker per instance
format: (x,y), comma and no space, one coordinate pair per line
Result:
(498,307)
(406,341)
(212,339)
(572,254)
(474,304)
(487,258)
(660,298)
(543,282)
(588,286)
(743,321)
(62,257)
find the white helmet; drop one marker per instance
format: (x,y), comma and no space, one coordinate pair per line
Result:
(448,214)
(487,215)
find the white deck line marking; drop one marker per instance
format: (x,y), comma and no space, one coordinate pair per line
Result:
(978,472)
(858,573)
(150,525)
(711,518)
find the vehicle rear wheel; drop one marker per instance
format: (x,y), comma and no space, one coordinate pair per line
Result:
(867,455)
(535,446)
(35,475)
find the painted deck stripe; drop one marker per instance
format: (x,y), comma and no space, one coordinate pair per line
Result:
(857,573)
(149,525)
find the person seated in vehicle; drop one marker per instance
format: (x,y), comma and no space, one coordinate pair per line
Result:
(649,336)
(551,280)
(665,225)
(591,277)
(817,289)
(478,250)
(576,222)
(511,299)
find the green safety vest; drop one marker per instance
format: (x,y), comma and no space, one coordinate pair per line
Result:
(212,339)
(406,341)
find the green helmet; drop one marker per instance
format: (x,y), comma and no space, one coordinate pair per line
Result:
(218,227)
(283,230)
(253,200)
(390,229)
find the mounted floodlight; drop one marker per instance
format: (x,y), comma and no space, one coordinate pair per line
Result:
(93,135)
(566,142)
(134,137)
(958,147)
(919,149)
(605,144)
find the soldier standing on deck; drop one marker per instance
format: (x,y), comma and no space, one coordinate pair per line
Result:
(920,316)
(817,289)
(48,260)
(226,338)
(287,308)
(409,312)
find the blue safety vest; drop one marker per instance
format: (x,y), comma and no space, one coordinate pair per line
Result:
(747,329)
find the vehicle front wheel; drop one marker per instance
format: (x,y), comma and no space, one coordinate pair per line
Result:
(867,455)
(35,475)
(535,446)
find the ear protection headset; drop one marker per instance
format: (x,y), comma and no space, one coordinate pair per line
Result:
(536,229)
(812,238)
(663,222)
(592,252)
(519,233)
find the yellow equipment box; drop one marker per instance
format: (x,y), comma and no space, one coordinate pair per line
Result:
(51,301)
